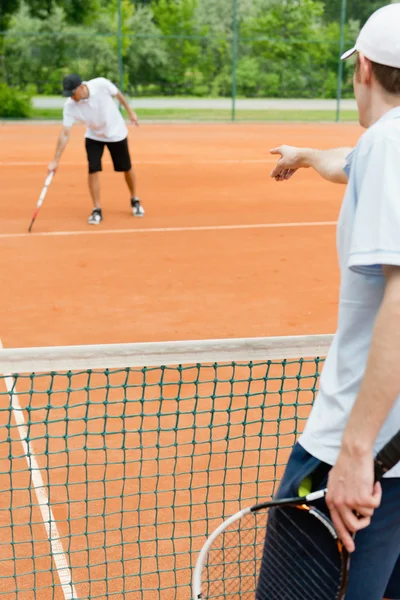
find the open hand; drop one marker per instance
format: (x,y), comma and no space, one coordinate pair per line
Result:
(133,119)
(291,160)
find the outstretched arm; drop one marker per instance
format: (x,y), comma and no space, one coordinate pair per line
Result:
(61,145)
(327,163)
(132,115)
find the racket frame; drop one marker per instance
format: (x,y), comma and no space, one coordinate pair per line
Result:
(43,193)
(297,501)
(385,460)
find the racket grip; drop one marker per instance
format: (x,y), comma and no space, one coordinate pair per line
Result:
(388,457)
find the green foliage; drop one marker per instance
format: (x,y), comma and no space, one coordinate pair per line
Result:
(7,9)
(356,10)
(14,103)
(287,48)
(176,21)
(76,11)
(146,56)
(80,11)
(42,52)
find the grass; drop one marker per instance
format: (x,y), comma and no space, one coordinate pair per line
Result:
(175,114)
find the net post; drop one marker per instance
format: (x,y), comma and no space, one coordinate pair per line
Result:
(340,65)
(235,48)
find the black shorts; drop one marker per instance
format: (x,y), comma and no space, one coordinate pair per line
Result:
(375,565)
(119,153)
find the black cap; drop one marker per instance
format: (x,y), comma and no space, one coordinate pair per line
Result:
(70,83)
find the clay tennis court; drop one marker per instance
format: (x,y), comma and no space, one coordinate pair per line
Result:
(99,285)
(222,252)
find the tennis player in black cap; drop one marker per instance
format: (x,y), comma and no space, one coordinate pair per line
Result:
(92,102)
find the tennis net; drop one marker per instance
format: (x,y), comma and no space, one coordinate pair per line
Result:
(116,461)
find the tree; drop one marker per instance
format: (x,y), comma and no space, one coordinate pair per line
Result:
(40,52)
(286,37)
(146,58)
(286,48)
(357,10)
(79,12)
(182,44)
(76,11)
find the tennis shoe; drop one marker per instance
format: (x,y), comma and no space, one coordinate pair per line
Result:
(137,208)
(96,217)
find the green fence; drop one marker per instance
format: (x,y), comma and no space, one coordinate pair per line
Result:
(255,49)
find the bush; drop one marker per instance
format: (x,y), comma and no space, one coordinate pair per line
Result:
(270,85)
(14,103)
(248,76)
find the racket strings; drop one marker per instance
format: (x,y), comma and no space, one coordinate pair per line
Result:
(294,563)
(278,578)
(233,564)
(300,552)
(294,540)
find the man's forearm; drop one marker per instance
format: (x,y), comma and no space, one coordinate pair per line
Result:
(122,100)
(381,383)
(327,163)
(61,145)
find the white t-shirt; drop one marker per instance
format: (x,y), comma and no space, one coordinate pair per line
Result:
(99,112)
(368,237)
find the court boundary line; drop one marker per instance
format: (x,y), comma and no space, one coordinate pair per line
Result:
(57,551)
(182,229)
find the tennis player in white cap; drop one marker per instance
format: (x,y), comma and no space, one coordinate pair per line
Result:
(357,409)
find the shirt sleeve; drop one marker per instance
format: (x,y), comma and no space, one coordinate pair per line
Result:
(68,118)
(347,166)
(108,86)
(375,237)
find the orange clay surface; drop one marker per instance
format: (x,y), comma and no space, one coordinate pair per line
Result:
(112,284)
(223,251)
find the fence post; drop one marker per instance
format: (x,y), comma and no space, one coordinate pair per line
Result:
(120,58)
(235,45)
(2,57)
(340,66)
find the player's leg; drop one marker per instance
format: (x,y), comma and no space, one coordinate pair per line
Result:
(94,187)
(393,588)
(94,151)
(131,182)
(122,163)
(287,560)
(375,565)
(137,208)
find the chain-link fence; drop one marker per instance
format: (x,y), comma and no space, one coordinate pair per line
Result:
(252,49)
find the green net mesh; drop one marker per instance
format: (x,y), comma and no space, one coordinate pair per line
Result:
(112,478)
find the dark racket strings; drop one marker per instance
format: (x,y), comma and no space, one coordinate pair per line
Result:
(280,550)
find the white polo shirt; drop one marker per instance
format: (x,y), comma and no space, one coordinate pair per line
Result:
(368,237)
(99,112)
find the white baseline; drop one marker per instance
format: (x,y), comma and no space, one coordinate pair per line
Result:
(57,552)
(168,229)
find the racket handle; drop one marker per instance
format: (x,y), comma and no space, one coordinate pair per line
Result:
(388,457)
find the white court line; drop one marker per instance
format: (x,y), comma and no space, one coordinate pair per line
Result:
(228,161)
(57,551)
(168,229)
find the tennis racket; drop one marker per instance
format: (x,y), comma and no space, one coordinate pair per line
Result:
(280,550)
(48,181)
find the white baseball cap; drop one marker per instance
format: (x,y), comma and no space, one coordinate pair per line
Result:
(379,39)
